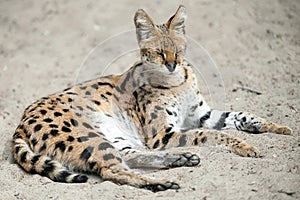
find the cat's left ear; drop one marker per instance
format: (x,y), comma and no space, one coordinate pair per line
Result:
(176,22)
(145,28)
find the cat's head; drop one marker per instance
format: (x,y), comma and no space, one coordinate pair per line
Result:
(161,45)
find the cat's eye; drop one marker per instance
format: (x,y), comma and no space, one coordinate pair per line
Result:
(162,55)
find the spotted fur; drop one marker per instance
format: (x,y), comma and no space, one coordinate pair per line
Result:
(113,124)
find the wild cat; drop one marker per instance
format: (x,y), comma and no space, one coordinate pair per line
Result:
(112,124)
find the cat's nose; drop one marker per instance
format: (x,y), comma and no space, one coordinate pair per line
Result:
(171,66)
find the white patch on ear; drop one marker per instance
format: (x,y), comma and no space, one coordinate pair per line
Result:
(176,22)
(145,28)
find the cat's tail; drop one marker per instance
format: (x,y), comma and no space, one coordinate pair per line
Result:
(40,164)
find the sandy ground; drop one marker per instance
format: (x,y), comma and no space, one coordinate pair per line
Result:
(255,44)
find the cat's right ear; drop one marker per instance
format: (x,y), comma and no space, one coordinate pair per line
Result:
(145,28)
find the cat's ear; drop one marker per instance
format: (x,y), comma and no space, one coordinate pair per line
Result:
(176,22)
(145,28)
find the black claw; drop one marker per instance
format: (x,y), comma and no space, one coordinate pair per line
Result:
(162,187)
(80,178)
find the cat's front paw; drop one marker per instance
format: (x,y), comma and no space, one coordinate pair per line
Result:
(246,150)
(284,130)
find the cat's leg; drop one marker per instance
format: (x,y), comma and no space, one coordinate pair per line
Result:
(159,159)
(169,138)
(110,165)
(242,121)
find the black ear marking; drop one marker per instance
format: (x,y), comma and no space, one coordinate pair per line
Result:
(176,22)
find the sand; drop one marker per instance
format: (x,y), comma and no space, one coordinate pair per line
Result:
(255,45)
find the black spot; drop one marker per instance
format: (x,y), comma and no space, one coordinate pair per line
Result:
(31,121)
(158,108)
(167,137)
(182,141)
(70,148)
(34,141)
(162,87)
(204,139)
(82,139)
(201,103)
(90,108)
(142,120)
(54,132)
(96,102)
(37,127)
(70,138)
(74,122)
(57,114)
(80,108)
(45,136)
(72,93)
(91,165)
(43,112)
(204,118)
(195,142)
(35,159)
(104,146)
(17,135)
(108,156)
(53,126)
(23,156)
(66,129)
(67,124)
(86,125)
(156,144)
(193,108)
(61,145)
(119,159)
(43,147)
(108,93)
(66,110)
(47,168)
(27,134)
(48,120)
(227,114)
(87,93)
(244,119)
(153,116)
(169,112)
(154,132)
(168,129)
(124,148)
(95,86)
(104,97)
(92,134)
(17,149)
(86,154)
(105,83)
(63,176)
